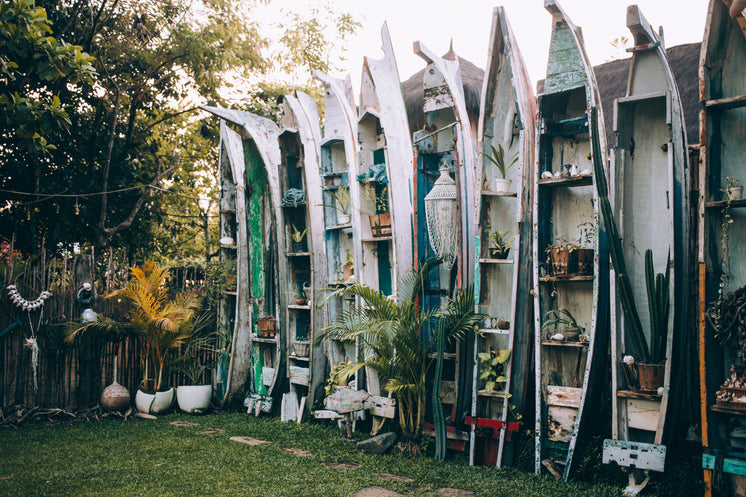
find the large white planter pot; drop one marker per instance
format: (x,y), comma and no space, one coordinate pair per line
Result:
(194,399)
(502,185)
(154,404)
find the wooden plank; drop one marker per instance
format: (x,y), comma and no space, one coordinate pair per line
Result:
(635,455)
(561,423)
(563,396)
(731,465)
(726,103)
(643,414)
(572,181)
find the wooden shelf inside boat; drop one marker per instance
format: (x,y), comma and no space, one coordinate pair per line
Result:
(338,227)
(298,254)
(234,293)
(584,180)
(566,127)
(577,277)
(378,238)
(488,193)
(496,261)
(255,338)
(727,410)
(300,203)
(564,343)
(227,211)
(726,103)
(339,283)
(299,358)
(230,247)
(493,394)
(722,203)
(446,355)
(494,331)
(299,307)
(637,394)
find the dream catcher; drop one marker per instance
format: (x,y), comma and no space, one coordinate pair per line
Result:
(30,307)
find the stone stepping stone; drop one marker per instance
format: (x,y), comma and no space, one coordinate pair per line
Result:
(248,440)
(454,492)
(341,465)
(212,431)
(297,452)
(376,492)
(183,423)
(389,476)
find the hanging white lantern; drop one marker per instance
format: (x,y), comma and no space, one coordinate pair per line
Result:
(442,220)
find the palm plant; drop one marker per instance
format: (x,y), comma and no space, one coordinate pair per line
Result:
(401,337)
(498,159)
(161,321)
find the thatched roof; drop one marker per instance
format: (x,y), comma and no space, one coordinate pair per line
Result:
(414,93)
(684,61)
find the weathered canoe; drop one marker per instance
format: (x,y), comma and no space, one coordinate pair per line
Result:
(338,167)
(447,139)
(565,208)
(249,216)
(305,264)
(720,255)
(507,119)
(650,192)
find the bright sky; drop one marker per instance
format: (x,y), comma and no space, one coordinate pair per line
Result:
(436,22)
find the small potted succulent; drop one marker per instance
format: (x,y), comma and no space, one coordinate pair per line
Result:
(500,244)
(342,202)
(585,251)
(300,244)
(733,189)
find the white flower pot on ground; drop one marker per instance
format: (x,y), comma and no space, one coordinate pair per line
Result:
(502,185)
(194,399)
(154,403)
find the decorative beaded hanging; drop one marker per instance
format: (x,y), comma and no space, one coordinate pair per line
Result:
(30,306)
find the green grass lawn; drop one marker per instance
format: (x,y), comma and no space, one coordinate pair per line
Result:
(155,458)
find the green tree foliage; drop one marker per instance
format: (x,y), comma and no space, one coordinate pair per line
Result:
(133,160)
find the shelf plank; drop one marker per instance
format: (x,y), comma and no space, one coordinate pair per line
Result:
(255,338)
(722,203)
(299,307)
(726,103)
(726,410)
(489,193)
(636,394)
(564,343)
(584,180)
(494,394)
(583,277)
(297,254)
(496,261)
(494,331)
(338,227)
(378,238)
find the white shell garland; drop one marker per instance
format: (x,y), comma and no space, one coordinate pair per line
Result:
(27,305)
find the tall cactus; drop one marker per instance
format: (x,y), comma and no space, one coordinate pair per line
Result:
(658,305)
(631,317)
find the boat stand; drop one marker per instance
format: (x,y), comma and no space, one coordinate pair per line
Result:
(634,488)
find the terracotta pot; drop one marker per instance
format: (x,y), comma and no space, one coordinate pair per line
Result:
(380,225)
(585,261)
(564,262)
(194,399)
(651,375)
(347,272)
(154,403)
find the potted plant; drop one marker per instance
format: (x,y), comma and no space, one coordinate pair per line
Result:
(161,321)
(342,202)
(585,251)
(562,257)
(571,330)
(493,368)
(348,266)
(502,184)
(651,370)
(195,397)
(221,277)
(300,294)
(299,239)
(500,244)
(380,222)
(733,189)
(267,326)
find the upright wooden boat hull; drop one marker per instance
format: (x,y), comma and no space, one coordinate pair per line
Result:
(338,167)
(257,210)
(563,205)
(305,269)
(722,156)
(447,136)
(508,119)
(650,195)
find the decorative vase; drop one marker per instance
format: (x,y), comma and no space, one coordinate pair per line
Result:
(734,193)
(115,397)
(154,403)
(502,185)
(194,399)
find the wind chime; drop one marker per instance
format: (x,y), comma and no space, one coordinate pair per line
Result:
(29,307)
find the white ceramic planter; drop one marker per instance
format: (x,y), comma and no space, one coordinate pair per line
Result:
(154,404)
(502,185)
(194,399)
(735,193)
(344,218)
